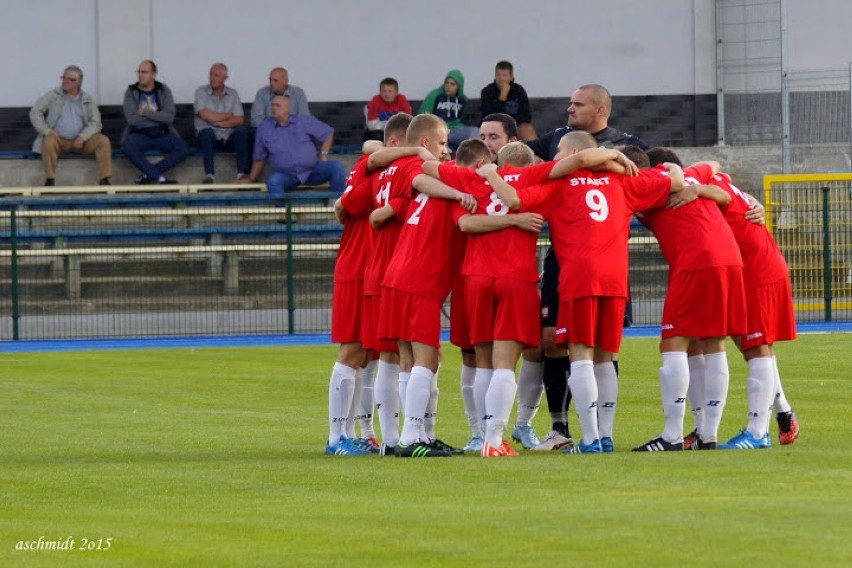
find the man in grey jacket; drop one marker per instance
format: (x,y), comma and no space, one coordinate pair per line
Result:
(149,109)
(68,120)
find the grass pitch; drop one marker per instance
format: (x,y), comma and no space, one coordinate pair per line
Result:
(214,457)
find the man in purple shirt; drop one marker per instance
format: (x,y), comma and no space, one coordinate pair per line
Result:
(289,141)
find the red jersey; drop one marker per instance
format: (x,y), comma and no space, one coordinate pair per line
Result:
(391,186)
(695,236)
(357,238)
(589,216)
(510,252)
(429,250)
(763,262)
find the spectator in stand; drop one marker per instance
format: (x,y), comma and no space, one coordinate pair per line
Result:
(149,109)
(387,103)
(289,141)
(68,120)
(506,96)
(220,123)
(279,84)
(448,102)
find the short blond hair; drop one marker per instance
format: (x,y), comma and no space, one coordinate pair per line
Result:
(515,154)
(424,125)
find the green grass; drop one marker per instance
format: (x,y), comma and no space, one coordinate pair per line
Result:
(213,457)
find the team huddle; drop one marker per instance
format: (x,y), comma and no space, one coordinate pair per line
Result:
(419,229)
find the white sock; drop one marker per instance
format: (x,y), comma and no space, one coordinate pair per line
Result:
(696,389)
(607,381)
(386,389)
(674,382)
(368,399)
(716,380)
(481,383)
(340,387)
(402,385)
(431,416)
(761,390)
(416,400)
(498,405)
(468,374)
(354,405)
(584,391)
(530,389)
(779,403)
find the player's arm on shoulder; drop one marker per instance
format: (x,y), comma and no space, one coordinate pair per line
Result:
(435,188)
(532,222)
(385,156)
(382,215)
(756,212)
(715,166)
(340,211)
(714,193)
(505,192)
(431,168)
(675,176)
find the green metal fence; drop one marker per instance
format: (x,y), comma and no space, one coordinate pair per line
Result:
(250,264)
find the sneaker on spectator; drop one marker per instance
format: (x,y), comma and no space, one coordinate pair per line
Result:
(788,427)
(141,179)
(553,441)
(209,178)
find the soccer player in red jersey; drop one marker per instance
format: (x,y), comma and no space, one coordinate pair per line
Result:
(705,300)
(501,273)
(589,214)
(770,318)
(360,202)
(355,244)
(417,277)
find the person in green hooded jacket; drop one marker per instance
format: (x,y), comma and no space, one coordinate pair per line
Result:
(448,102)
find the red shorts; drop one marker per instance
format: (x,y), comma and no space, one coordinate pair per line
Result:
(370,327)
(410,317)
(459,322)
(346,302)
(503,309)
(770,314)
(594,321)
(705,303)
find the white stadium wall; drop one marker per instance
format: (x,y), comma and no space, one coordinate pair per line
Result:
(340,50)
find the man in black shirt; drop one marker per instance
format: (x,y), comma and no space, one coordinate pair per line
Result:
(506,96)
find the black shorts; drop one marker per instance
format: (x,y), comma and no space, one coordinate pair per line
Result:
(550,290)
(550,293)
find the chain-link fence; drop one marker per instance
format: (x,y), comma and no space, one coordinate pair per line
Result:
(176,265)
